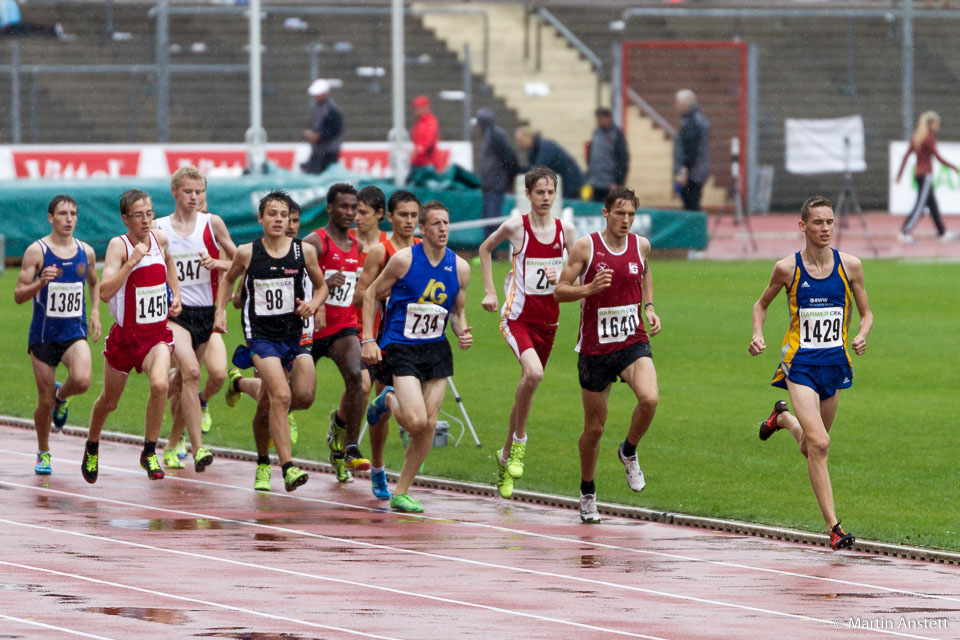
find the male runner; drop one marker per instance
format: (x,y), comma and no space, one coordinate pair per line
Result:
(403,208)
(820,283)
(274,306)
(339,259)
(55,271)
(196,240)
(615,282)
(427,286)
(137,272)
(528,320)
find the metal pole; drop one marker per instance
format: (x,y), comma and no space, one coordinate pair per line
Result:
(15,91)
(616,83)
(256,136)
(753,127)
(163,70)
(399,161)
(907,70)
(467,91)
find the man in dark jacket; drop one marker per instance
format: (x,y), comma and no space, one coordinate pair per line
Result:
(326,129)
(547,153)
(498,165)
(691,150)
(607,157)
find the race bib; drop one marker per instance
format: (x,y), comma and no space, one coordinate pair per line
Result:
(535,275)
(821,328)
(273,296)
(616,324)
(151,304)
(424,321)
(342,296)
(64,299)
(189,270)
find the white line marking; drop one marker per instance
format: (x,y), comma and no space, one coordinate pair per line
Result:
(42,625)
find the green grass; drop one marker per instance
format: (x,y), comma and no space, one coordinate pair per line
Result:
(896,447)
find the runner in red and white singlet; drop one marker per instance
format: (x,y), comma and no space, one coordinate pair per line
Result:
(528,319)
(137,271)
(615,285)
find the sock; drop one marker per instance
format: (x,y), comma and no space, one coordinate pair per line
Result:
(503,461)
(236,384)
(285,466)
(377,469)
(93,447)
(203,403)
(56,395)
(588,487)
(337,421)
(263,459)
(628,450)
(522,440)
(353,450)
(149,447)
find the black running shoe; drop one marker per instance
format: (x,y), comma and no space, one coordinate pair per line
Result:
(89,467)
(840,539)
(768,426)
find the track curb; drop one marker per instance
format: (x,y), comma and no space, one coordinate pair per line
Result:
(534,497)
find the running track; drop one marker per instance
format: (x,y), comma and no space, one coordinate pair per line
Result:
(203,555)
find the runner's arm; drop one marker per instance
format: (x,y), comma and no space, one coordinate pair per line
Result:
(239,264)
(458,319)
(29,282)
(222,236)
(116,268)
(395,269)
(854,269)
(93,285)
(371,269)
(566,290)
(173,283)
(646,290)
(508,231)
(308,308)
(778,280)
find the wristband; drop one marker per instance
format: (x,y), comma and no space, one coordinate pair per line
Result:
(363,342)
(648,304)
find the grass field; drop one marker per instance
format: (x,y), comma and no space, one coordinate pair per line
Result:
(895,459)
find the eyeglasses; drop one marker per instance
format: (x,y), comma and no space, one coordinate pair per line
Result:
(140,215)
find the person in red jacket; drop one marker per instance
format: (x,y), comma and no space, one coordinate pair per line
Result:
(425,136)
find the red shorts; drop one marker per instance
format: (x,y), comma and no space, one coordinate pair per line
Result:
(523,335)
(125,350)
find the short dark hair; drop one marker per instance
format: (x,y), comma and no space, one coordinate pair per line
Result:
(537,174)
(337,189)
(426,207)
(603,111)
(372,197)
(620,193)
(128,197)
(813,203)
(400,196)
(279,196)
(294,207)
(57,200)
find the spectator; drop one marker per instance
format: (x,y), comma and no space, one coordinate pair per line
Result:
(425,136)
(498,165)
(607,156)
(326,129)
(691,150)
(11,23)
(541,151)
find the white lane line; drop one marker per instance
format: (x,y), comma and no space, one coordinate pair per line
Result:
(554,538)
(34,623)
(299,574)
(437,556)
(208,603)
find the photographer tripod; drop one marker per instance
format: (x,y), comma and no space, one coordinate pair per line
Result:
(848,199)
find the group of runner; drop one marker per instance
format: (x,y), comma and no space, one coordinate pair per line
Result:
(378,305)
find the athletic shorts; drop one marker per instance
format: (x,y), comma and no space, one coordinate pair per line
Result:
(198,321)
(378,372)
(51,352)
(321,346)
(242,358)
(524,335)
(597,372)
(422,361)
(825,379)
(125,350)
(286,350)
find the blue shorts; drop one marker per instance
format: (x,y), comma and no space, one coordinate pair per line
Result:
(825,379)
(286,350)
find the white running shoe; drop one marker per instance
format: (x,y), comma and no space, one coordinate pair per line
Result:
(906,238)
(588,509)
(635,477)
(948,236)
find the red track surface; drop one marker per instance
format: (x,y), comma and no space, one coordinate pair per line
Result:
(202,555)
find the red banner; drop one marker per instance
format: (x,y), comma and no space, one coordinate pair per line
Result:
(210,161)
(76,164)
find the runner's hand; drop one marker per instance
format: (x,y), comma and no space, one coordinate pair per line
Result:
(336,280)
(220,321)
(139,250)
(757,345)
(48,275)
(490,302)
(207,262)
(601,281)
(653,321)
(370,353)
(859,344)
(465,339)
(552,275)
(175,307)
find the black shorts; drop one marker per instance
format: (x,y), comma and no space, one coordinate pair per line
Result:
(422,361)
(198,321)
(321,346)
(51,352)
(598,372)
(378,372)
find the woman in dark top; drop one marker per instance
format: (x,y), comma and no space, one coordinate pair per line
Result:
(923,142)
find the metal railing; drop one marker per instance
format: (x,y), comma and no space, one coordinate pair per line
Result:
(544,16)
(651,113)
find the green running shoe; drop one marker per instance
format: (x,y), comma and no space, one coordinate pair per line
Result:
(171,460)
(89,467)
(335,434)
(60,411)
(232,395)
(294,431)
(151,465)
(504,479)
(340,470)
(405,504)
(515,461)
(181,448)
(43,464)
(206,422)
(262,480)
(294,478)
(202,459)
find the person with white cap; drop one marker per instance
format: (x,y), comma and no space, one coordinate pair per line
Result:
(326,129)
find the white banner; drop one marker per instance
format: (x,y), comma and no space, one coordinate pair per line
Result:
(68,162)
(946,181)
(825,146)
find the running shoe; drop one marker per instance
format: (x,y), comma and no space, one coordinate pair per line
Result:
(202,459)
(335,434)
(294,431)
(378,484)
(840,539)
(43,464)
(354,460)
(588,509)
(378,407)
(262,480)
(338,460)
(769,426)
(232,395)
(294,478)
(515,461)
(89,467)
(60,411)
(181,448)
(504,479)
(171,460)
(635,479)
(405,504)
(151,465)
(206,422)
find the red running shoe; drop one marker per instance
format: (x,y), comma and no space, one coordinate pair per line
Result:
(768,426)
(839,539)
